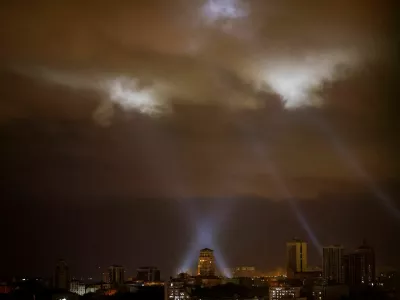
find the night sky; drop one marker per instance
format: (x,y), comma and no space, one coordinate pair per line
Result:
(139,132)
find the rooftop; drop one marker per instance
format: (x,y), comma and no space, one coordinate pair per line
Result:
(206,250)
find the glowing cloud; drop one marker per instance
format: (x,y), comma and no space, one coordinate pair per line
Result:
(126,92)
(222,14)
(299,81)
(218,52)
(217,10)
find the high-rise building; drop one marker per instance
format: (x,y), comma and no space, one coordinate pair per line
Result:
(206,265)
(332,263)
(359,266)
(296,251)
(61,275)
(116,274)
(148,274)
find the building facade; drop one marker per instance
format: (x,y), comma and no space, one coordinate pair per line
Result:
(148,274)
(116,275)
(61,275)
(244,272)
(77,287)
(206,264)
(105,276)
(93,288)
(296,251)
(359,266)
(329,292)
(332,263)
(176,290)
(277,293)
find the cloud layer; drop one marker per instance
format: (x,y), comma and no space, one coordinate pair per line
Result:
(232,77)
(233,53)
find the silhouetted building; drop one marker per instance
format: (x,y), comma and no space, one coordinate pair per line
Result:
(359,266)
(116,275)
(61,275)
(296,251)
(105,276)
(244,272)
(147,274)
(389,281)
(206,264)
(307,275)
(208,281)
(332,263)
(327,292)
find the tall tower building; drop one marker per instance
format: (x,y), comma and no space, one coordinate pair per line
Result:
(332,263)
(116,275)
(61,275)
(206,265)
(360,266)
(296,251)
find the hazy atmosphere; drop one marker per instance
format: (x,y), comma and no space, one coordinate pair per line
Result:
(145,122)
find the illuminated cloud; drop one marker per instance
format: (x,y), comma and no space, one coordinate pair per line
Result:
(218,52)
(121,90)
(222,14)
(299,81)
(219,10)
(127,93)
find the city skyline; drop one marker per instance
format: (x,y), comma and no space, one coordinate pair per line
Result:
(343,274)
(139,133)
(336,265)
(88,268)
